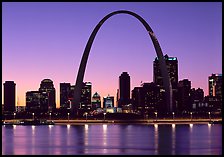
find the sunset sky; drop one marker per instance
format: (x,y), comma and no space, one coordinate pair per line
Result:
(46,40)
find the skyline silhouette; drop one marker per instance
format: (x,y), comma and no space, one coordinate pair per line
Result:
(46,40)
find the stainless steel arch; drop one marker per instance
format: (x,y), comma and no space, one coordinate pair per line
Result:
(82,67)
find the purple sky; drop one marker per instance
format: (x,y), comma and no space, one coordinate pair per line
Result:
(47,40)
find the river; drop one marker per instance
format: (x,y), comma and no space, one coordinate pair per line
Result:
(113,139)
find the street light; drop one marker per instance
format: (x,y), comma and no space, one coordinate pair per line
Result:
(33,115)
(156,115)
(50,115)
(68,117)
(173,115)
(104,115)
(191,116)
(209,114)
(14,115)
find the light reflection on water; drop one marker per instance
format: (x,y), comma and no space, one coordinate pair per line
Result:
(120,139)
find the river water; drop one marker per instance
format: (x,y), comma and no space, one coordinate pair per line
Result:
(114,139)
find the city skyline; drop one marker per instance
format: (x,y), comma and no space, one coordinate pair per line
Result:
(52,44)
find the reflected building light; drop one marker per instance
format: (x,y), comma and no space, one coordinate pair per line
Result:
(104,127)
(173,126)
(173,139)
(104,151)
(68,128)
(209,128)
(50,126)
(14,126)
(33,129)
(104,136)
(156,139)
(86,126)
(156,126)
(191,127)
(86,138)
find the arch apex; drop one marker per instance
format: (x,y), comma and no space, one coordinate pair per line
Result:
(162,64)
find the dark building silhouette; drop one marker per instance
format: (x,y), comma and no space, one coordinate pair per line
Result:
(215,85)
(124,89)
(138,99)
(86,95)
(197,99)
(71,92)
(214,99)
(9,96)
(85,104)
(172,67)
(184,87)
(35,102)
(96,101)
(212,104)
(108,101)
(147,99)
(64,95)
(48,92)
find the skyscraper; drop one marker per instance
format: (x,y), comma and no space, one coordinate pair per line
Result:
(138,99)
(215,85)
(196,98)
(96,102)
(172,67)
(124,89)
(108,101)
(64,95)
(47,89)
(147,98)
(9,96)
(36,102)
(214,99)
(184,87)
(86,95)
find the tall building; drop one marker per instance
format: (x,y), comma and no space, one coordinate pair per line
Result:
(124,89)
(172,67)
(213,103)
(184,87)
(147,98)
(71,93)
(214,99)
(33,102)
(86,94)
(196,98)
(108,101)
(64,95)
(9,96)
(37,102)
(215,85)
(48,91)
(137,99)
(96,101)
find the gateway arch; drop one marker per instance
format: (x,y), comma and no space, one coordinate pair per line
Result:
(162,64)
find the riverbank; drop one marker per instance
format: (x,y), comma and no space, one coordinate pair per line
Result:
(143,121)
